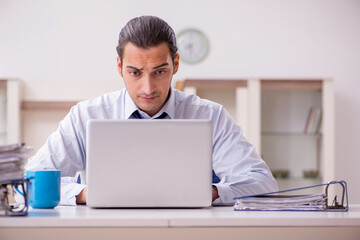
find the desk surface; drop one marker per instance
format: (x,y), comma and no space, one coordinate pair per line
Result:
(82,216)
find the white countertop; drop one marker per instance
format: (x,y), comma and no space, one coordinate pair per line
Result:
(82,216)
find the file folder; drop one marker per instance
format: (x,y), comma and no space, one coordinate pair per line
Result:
(283,201)
(12,161)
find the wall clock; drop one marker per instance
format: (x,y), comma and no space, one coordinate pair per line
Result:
(193,45)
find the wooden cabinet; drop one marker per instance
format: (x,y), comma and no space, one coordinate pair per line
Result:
(274,114)
(298,156)
(9,111)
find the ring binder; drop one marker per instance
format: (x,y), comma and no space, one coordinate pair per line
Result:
(277,201)
(335,204)
(9,210)
(12,161)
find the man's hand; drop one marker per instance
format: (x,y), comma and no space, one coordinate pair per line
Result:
(215,193)
(81,198)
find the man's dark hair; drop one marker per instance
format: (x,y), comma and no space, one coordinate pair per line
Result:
(146,32)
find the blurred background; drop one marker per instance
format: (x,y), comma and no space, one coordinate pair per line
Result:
(65,51)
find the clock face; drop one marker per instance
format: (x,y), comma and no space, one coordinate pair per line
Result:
(193,45)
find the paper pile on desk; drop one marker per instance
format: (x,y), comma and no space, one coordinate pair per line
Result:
(12,161)
(282,202)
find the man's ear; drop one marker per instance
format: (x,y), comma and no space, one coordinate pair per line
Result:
(176,63)
(119,66)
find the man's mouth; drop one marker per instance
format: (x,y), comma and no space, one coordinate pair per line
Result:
(148,98)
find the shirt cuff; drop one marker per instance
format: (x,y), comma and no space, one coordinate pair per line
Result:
(69,190)
(225,196)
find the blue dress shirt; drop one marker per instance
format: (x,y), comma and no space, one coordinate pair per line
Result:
(240,169)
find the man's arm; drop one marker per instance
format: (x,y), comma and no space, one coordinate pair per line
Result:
(64,150)
(236,163)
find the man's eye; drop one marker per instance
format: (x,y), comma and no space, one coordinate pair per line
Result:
(134,74)
(160,72)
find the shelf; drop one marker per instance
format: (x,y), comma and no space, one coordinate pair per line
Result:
(299,179)
(47,105)
(10,95)
(290,183)
(202,83)
(291,134)
(295,84)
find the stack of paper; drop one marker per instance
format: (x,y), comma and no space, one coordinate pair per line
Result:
(12,161)
(282,202)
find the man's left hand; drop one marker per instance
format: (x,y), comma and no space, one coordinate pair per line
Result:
(215,193)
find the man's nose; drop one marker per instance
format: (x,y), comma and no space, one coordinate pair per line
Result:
(147,85)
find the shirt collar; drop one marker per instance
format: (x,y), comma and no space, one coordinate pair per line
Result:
(169,107)
(130,106)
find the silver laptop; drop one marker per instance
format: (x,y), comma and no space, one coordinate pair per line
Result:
(148,163)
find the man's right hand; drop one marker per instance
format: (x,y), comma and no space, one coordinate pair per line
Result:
(81,198)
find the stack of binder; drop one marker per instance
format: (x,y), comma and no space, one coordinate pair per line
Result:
(282,201)
(295,202)
(12,161)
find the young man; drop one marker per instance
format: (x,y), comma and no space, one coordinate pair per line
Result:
(147,61)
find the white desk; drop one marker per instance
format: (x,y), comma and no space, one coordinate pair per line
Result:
(210,223)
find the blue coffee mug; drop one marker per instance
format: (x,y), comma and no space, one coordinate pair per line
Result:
(43,188)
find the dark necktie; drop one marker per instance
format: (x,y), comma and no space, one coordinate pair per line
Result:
(136,114)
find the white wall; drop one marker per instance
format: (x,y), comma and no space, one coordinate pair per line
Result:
(62,42)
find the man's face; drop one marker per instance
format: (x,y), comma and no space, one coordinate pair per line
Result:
(147,74)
